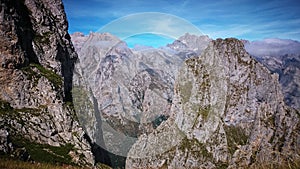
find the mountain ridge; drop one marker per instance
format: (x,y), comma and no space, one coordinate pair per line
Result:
(58,107)
(152,64)
(220,116)
(265,51)
(37,119)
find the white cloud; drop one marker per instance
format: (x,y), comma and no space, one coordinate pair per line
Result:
(150,22)
(273,47)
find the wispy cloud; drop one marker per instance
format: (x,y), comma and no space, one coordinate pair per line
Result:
(248,19)
(273,47)
(150,22)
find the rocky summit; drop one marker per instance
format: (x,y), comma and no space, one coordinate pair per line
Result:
(227,112)
(37,118)
(196,103)
(133,89)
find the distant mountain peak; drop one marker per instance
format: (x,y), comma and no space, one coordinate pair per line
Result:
(77,34)
(273,47)
(188,36)
(94,36)
(189,42)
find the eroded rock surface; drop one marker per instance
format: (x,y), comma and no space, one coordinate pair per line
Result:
(37,119)
(281,56)
(227,111)
(134,89)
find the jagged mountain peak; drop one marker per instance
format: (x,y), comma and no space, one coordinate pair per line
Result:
(104,40)
(227,112)
(77,34)
(94,37)
(229,44)
(189,42)
(190,37)
(78,39)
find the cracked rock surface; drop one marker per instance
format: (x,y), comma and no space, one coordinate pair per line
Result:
(37,118)
(227,111)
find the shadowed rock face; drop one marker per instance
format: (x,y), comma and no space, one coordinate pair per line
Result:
(282,57)
(227,111)
(134,89)
(37,61)
(288,68)
(224,109)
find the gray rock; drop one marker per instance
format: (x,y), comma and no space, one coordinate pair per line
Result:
(288,68)
(227,111)
(37,62)
(133,89)
(282,57)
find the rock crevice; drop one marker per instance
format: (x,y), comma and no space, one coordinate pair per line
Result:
(37,118)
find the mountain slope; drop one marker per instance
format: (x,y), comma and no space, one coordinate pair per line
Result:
(37,119)
(126,84)
(282,57)
(227,111)
(133,89)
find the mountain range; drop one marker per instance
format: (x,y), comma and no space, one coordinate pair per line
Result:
(91,100)
(149,83)
(280,56)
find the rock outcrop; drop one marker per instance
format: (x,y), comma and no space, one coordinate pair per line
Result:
(288,68)
(227,112)
(126,85)
(133,89)
(282,57)
(37,118)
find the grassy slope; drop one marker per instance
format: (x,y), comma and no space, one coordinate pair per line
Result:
(16,164)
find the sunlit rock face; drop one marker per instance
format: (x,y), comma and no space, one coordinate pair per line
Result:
(227,111)
(133,88)
(196,103)
(37,119)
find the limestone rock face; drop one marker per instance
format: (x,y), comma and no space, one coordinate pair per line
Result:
(37,119)
(288,68)
(227,111)
(133,89)
(282,57)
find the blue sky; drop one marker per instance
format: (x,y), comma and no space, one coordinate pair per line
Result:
(243,19)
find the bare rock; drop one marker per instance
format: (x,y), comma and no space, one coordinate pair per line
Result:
(227,111)
(37,62)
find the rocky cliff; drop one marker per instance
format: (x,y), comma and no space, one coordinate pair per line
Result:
(281,56)
(37,118)
(130,90)
(133,89)
(223,110)
(287,66)
(227,112)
